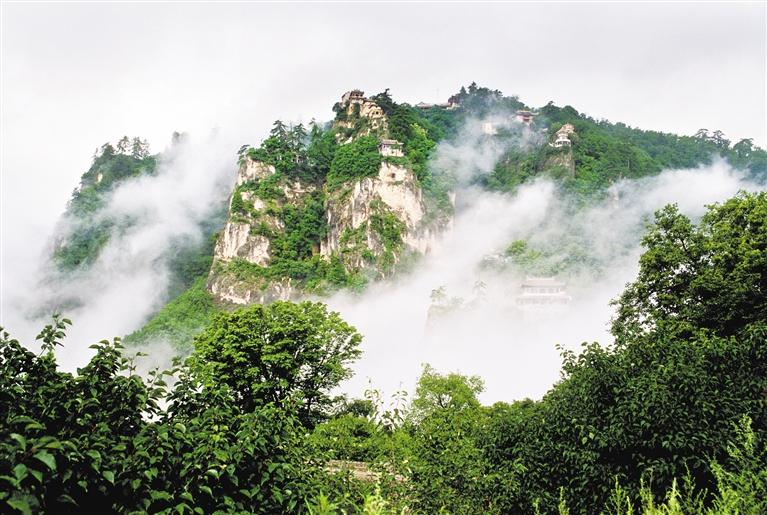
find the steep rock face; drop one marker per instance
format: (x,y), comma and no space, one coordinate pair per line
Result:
(251,170)
(237,241)
(373,216)
(229,288)
(246,239)
(564,159)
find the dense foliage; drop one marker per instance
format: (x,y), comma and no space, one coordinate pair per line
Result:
(278,354)
(99,442)
(355,160)
(179,320)
(605,152)
(671,419)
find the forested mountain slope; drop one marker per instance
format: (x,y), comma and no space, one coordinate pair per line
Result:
(340,204)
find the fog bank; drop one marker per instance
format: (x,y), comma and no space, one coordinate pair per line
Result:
(129,280)
(513,351)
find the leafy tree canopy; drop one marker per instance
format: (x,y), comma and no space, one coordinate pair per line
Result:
(279,353)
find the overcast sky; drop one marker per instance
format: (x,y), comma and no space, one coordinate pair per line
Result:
(77,75)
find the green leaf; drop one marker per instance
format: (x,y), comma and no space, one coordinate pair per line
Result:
(22,441)
(20,471)
(21,505)
(109,476)
(64,498)
(46,458)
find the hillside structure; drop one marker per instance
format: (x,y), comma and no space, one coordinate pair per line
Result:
(452,103)
(542,292)
(354,96)
(525,117)
(562,137)
(390,147)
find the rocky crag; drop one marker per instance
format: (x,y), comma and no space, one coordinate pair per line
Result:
(295,227)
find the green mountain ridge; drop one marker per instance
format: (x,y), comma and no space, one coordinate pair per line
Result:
(315,171)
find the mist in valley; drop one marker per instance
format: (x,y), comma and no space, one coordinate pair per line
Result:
(157,215)
(516,353)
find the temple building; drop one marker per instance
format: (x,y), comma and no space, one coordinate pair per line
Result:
(354,96)
(562,141)
(390,147)
(563,136)
(452,103)
(524,117)
(542,292)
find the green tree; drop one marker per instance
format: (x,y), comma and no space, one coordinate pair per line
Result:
(708,276)
(355,160)
(279,353)
(453,392)
(450,464)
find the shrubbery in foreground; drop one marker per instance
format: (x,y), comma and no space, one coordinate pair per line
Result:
(671,419)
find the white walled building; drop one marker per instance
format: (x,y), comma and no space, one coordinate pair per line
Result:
(542,292)
(563,136)
(390,147)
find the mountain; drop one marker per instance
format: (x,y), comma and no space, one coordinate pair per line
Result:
(358,199)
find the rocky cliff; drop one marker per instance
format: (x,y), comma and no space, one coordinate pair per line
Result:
(373,222)
(561,158)
(245,246)
(291,231)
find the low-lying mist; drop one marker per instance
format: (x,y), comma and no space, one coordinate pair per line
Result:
(516,352)
(129,280)
(594,248)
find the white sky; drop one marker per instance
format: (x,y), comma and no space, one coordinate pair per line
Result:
(76,75)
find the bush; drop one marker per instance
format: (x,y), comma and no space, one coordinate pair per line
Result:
(355,160)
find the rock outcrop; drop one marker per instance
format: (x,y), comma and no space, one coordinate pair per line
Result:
(229,288)
(356,218)
(251,170)
(287,234)
(562,158)
(246,239)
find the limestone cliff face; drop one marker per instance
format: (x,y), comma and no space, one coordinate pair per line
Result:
(237,239)
(564,159)
(246,239)
(251,170)
(357,215)
(370,225)
(285,238)
(230,289)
